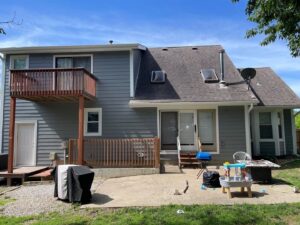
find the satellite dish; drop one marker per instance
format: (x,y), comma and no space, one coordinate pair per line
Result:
(248,74)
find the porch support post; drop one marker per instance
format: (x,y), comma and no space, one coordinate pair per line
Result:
(12,116)
(80,131)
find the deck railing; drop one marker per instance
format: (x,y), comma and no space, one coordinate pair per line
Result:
(118,153)
(52,82)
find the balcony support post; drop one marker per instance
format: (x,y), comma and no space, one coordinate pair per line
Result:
(12,115)
(80,131)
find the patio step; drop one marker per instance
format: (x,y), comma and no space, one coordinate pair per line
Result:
(170,169)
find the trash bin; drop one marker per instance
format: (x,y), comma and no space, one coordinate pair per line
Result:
(73,183)
(211,179)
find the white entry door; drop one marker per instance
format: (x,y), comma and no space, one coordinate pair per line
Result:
(25,149)
(187,130)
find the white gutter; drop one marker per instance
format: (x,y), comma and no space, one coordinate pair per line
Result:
(3,57)
(151,104)
(247,128)
(72,49)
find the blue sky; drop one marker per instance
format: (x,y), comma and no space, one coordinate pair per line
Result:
(152,23)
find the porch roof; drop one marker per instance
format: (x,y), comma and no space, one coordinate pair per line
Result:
(271,90)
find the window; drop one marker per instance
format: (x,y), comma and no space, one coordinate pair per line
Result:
(92,121)
(265,125)
(158,77)
(73,62)
(207,127)
(209,75)
(19,62)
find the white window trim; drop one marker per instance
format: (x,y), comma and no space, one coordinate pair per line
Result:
(275,138)
(131,66)
(12,57)
(86,111)
(73,56)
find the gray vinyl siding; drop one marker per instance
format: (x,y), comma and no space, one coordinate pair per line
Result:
(137,56)
(231,132)
(288,131)
(59,121)
(267,148)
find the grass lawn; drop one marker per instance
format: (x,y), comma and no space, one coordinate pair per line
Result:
(197,214)
(289,173)
(4,201)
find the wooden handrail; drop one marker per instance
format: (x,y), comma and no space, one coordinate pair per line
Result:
(55,70)
(52,82)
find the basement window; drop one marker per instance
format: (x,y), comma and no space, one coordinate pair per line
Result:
(209,75)
(158,77)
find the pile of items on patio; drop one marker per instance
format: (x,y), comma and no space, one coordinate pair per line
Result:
(246,171)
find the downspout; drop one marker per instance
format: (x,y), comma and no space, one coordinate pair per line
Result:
(250,108)
(247,128)
(3,59)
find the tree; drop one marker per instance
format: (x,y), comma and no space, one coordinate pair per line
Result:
(12,21)
(275,19)
(297,121)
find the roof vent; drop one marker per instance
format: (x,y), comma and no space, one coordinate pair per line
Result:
(158,77)
(209,76)
(165,49)
(194,48)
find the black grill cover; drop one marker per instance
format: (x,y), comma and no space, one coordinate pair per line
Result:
(79,183)
(211,179)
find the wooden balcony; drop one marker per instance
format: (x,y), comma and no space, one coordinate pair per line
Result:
(52,84)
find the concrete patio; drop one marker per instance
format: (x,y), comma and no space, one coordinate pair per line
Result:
(158,189)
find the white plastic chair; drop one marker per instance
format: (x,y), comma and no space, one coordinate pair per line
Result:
(243,156)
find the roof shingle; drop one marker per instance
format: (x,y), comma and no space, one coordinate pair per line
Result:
(184,81)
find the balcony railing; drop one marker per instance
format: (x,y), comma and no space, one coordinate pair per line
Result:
(55,83)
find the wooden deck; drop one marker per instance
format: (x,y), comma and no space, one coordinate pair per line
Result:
(22,173)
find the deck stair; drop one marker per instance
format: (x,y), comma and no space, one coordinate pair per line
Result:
(188,158)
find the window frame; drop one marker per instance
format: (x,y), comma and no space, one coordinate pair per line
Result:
(13,57)
(257,140)
(74,56)
(213,127)
(88,110)
(271,124)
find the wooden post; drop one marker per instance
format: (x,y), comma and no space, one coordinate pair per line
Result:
(80,131)
(12,114)
(157,152)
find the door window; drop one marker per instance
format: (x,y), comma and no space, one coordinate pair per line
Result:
(169,130)
(187,129)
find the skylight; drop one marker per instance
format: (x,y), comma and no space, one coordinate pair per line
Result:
(158,77)
(209,75)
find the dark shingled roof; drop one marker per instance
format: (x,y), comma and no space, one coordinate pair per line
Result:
(185,83)
(184,80)
(271,90)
